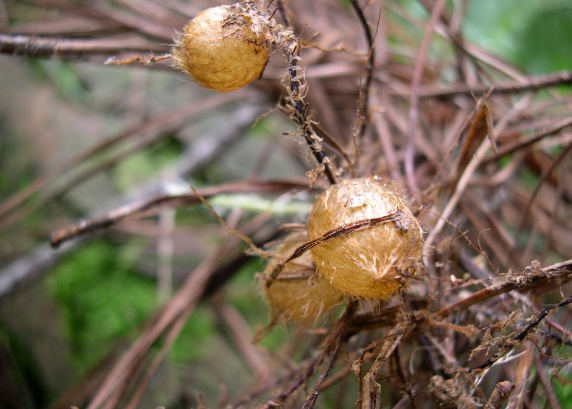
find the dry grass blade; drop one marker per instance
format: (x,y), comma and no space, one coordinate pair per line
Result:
(523,368)
(500,394)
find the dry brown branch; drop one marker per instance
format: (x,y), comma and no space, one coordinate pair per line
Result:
(528,142)
(31,46)
(370,390)
(532,276)
(157,123)
(313,396)
(473,329)
(132,209)
(508,87)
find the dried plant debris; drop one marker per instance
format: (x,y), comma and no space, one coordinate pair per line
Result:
(432,262)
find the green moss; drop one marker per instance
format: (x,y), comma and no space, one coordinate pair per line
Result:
(101,298)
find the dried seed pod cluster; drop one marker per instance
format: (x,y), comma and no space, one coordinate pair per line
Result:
(368,263)
(299,295)
(223,48)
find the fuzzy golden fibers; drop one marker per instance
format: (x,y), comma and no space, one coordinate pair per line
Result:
(302,300)
(223,48)
(367,263)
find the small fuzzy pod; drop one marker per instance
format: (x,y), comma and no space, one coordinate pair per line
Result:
(367,263)
(223,48)
(302,301)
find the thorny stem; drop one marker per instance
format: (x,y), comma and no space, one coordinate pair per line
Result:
(370,392)
(520,337)
(301,117)
(532,276)
(296,97)
(541,315)
(313,396)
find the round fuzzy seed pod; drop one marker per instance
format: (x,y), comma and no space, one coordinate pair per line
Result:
(299,294)
(366,263)
(223,48)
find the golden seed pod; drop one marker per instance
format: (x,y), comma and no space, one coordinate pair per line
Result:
(366,263)
(299,294)
(223,48)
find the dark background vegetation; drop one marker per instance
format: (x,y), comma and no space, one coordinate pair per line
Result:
(66,315)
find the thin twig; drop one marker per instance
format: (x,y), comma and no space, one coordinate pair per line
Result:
(115,216)
(507,87)
(370,392)
(532,276)
(541,181)
(523,144)
(332,341)
(363,114)
(313,396)
(32,46)
(414,99)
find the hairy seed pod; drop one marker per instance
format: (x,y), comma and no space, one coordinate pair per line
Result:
(367,263)
(299,294)
(223,48)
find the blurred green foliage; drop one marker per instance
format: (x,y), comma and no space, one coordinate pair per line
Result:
(145,164)
(100,297)
(534,35)
(240,292)
(564,390)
